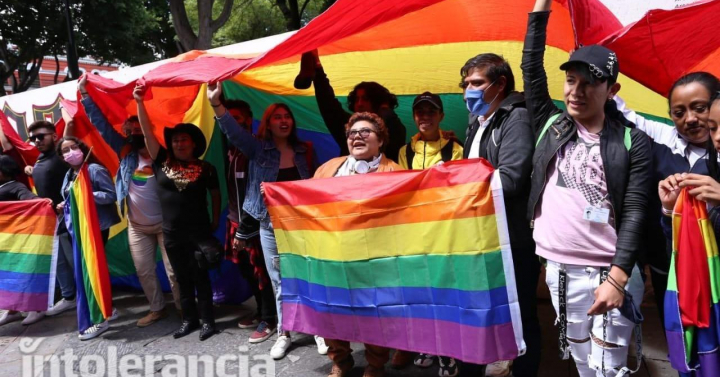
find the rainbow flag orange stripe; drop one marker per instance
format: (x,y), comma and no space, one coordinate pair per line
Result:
(27,244)
(94,298)
(408,260)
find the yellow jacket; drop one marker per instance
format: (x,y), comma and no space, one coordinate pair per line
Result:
(428,153)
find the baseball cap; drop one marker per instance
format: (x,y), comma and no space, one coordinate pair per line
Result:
(434,99)
(603,62)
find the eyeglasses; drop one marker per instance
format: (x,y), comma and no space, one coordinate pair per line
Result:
(73,147)
(363,132)
(37,137)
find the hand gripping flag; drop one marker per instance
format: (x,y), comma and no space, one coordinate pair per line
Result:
(94,298)
(412,260)
(691,301)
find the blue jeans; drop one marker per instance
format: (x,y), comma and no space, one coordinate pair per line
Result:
(65,266)
(272,262)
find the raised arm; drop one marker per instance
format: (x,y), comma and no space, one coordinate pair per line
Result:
(151,141)
(69,123)
(237,135)
(660,132)
(330,108)
(4,142)
(539,104)
(114,139)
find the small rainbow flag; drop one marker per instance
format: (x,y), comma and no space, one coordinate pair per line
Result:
(692,308)
(94,298)
(412,260)
(27,246)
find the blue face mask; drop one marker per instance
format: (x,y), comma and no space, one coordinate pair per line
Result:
(476,104)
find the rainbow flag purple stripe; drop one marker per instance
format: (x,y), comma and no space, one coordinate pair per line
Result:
(412,260)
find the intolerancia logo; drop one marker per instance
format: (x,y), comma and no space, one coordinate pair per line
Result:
(109,364)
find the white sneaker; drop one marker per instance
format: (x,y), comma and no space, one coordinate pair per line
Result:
(498,368)
(60,307)
(33,317)
(322,347)
(279,349)
(115,314)
(6,317)
(94,331)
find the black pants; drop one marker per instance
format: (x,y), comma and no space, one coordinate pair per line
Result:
(180,246)
(265,298)
(527,273)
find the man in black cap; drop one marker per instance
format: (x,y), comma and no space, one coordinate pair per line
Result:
(588,220)
(430,145)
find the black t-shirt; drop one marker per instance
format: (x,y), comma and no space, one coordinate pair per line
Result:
(183,189)
(14,190)
(48,175)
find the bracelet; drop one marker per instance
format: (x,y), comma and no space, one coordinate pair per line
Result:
(218,105)
(615,284)
(667,212)
(84,93)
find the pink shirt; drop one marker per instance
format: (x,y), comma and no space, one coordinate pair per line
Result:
(576,181)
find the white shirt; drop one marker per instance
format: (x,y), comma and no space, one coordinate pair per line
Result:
(663,134)
(475,145)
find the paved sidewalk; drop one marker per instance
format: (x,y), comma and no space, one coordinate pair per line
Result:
(125,338)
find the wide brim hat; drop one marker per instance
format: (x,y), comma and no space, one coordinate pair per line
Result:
(186,128)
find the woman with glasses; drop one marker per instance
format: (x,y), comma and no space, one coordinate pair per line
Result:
(74,152)
(276,155)
(367,138)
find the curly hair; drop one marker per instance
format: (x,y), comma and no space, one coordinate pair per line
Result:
(377,94)
(377,122)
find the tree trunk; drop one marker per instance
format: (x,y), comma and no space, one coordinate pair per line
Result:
(206,25)
(57,69)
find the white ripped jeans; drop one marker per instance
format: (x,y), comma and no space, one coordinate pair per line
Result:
(584,333)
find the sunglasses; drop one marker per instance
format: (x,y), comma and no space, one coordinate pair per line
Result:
(37,137)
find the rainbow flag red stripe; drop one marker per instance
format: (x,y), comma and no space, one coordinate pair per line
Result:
(27,244)
(94,297)
(692,299)
(413,260)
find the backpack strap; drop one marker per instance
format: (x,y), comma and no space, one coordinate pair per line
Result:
(446,151)
(409,155)
(546,126)
(628,138)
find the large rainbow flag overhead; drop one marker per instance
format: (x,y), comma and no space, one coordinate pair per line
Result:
(413,260)
(94,297)
(27,246)
(692,299)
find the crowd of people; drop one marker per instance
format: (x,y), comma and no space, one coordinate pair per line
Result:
(578,182)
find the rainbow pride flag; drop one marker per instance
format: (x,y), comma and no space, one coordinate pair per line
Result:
(692,300)
(413,260)
(27,247)
(94,298)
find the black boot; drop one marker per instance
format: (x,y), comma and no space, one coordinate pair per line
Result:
(207,331)
(186,328)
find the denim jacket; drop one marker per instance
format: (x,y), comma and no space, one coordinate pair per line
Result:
(117,142)
(103,192)
(264,164)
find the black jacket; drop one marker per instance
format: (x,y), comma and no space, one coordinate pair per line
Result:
(508,144)
(627,173)
(336,117)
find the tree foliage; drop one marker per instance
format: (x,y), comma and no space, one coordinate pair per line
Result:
(118,31)
(252,19)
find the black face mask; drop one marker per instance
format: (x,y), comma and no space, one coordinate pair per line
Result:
(136,141)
